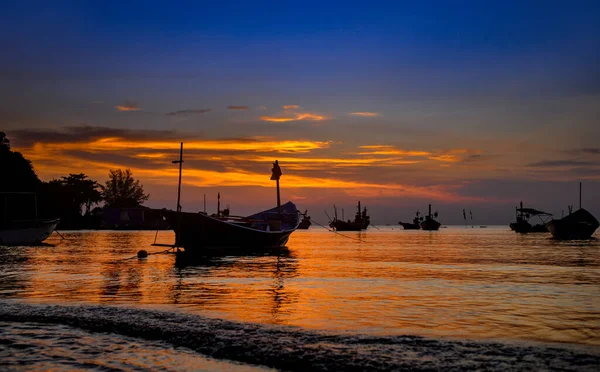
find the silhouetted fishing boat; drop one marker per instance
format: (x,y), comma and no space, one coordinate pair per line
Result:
(577,225)
(523,215)
(15,231)
(430,223)
(361,221)
(415,225)
(199,234)
(305,222)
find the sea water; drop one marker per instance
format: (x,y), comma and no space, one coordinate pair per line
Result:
(382,299)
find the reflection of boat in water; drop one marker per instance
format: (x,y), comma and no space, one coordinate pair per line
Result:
(305,222)
(415,225)
(577,225)
(430,223)
(361,221)
(17,231)
(200,234)
(523,216)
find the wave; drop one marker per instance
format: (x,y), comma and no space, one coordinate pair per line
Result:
(296,349)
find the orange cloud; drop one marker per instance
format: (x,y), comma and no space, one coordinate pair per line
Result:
(255,144)
(295,117)
(55,159)
(390,150)
(128,106)
(374,170)
(290,107)
(231,107)
(365,114)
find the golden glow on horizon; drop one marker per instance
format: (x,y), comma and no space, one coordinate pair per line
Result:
(235,162)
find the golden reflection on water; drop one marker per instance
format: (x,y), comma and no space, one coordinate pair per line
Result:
(466,283)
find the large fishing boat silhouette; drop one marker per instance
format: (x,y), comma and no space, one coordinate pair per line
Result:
(523,215)
(430,223)
(16,225)
(577,225)
(198,234)
(361,221)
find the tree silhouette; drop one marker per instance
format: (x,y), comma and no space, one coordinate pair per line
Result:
(83,191)
(17,172)
(122,190)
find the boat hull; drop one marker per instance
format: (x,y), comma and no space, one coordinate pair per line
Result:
(578,225)
(200,234)
(27,232)
(525,227)
(304,224)
(410,226)
(347,226)
(430,225)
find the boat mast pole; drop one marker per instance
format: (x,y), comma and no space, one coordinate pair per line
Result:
(278,198)
(204,203)
(180,161)
(579,195)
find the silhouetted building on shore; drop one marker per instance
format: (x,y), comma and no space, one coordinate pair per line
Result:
(139,218)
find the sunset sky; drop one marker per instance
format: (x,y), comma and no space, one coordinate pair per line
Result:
(396,104)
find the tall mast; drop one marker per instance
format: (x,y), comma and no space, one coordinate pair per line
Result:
(180,161)
(579,195)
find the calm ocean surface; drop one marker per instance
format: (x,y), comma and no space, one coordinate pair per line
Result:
(458,298)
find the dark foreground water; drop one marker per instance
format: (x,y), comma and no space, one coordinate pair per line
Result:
(453,299)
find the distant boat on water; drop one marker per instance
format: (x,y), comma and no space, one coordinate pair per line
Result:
(200,234)
(361,221)
(430,223)
(580,224)
(415,225)
(305,222)
(16,231)
(522,224)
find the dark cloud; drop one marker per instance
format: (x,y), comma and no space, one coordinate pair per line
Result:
(561,163)
(188,112)
(231,107)
(586,151)
(29,136)
(474,157)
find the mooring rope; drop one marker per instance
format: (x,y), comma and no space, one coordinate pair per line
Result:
(59,234)
(335,232)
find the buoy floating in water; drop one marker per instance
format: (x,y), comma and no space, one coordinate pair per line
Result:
(142,254)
